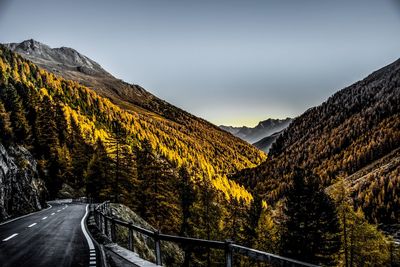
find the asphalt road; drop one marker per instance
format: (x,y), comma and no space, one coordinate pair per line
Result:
(52,237)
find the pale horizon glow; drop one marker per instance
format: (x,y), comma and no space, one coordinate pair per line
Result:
(230,62)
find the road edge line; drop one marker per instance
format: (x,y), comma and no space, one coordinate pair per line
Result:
(26,215)
(85,232)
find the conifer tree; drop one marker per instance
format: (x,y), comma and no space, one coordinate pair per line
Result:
(311,228)
(5,125)
(97,173)
(158,201)
(252,218)
(118,151)
(187,197)
(61,123)
(81,153)
(46,129)
(206,216)
(13,104)
(47,146)
(362,243)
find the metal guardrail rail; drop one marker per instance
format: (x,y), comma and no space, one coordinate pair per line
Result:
(107,225)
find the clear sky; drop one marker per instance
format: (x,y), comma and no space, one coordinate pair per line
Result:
(231,62)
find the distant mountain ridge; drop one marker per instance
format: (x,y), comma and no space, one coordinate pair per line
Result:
(263,129)
(266,143)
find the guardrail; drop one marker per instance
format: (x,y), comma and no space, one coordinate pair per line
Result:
(107,225)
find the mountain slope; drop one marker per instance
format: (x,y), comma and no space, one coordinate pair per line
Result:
(263,129)
(41,105)
(72,65)
(266,143)
(352,129)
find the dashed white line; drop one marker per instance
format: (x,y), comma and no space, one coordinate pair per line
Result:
(11,236)
(26,215)
(53,213)
(33,224)
(44,218)
(58,210)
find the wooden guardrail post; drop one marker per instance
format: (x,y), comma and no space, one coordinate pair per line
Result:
(130,237)
(157,247)
(113,237)
(105,226)
(228,253)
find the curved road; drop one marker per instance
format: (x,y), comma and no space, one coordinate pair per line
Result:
(51,237)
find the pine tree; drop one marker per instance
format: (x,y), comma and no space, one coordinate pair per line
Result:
(80,152)
(362,243)
(311,229)
(97,174)
(13,104)
(61,123)
(118,151)
(206,217)
(46,131)
(235,220)
(187,197)
(252,218)
(158,203)
(47,146)
(5,125)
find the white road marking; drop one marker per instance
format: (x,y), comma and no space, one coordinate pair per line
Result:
(44,218)
(33,224)
(26,215)
(11,236)
(58,210)
(85,233)
(53,213)
(92,249)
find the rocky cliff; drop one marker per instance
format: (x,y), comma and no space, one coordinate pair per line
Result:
(21,191)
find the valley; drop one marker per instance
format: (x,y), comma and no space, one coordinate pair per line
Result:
(71,129)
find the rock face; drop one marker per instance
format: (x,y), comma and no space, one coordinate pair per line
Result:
(21,191)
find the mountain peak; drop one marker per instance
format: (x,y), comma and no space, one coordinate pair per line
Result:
(56,59)
(30,44)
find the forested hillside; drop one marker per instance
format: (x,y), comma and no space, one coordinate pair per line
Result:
(86,145)
(351,144)
(332,173)
(351,130)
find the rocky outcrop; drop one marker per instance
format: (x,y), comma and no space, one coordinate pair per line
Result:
(21,191)
(144,246)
